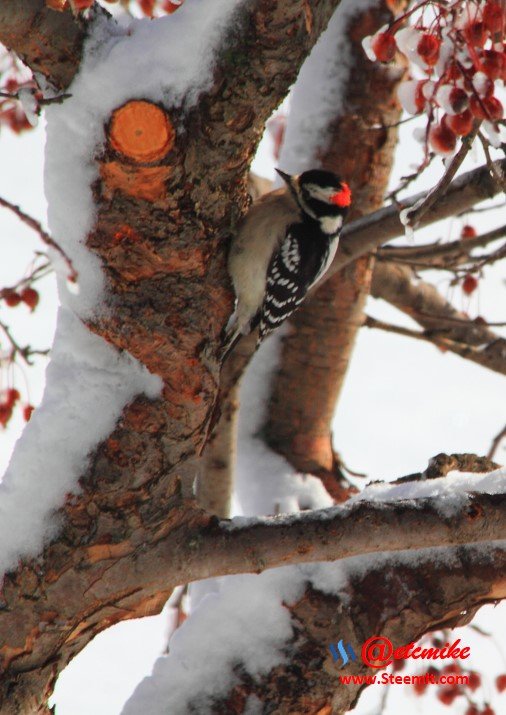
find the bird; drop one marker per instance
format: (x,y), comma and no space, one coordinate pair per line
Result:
(284,245)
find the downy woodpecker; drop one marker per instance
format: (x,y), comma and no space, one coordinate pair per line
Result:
(283,247)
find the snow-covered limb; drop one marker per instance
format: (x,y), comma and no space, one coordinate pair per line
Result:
(407,516)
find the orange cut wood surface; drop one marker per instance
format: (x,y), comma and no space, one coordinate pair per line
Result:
(141,131)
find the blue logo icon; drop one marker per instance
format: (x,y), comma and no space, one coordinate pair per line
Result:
(339,651)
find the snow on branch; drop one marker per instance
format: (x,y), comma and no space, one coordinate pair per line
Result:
(243,641)
(456,509)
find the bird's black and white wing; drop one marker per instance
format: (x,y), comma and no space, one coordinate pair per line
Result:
(284,291)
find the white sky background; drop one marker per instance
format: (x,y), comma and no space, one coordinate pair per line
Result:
(402,403)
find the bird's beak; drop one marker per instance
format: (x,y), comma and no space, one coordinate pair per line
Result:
(286,177)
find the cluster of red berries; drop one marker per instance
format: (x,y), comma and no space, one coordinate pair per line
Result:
(8,401)
(76,5)
(29,296)
(148,7)
(458,52)
(12,113)
(447,693)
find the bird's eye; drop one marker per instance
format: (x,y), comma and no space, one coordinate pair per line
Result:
(342,197)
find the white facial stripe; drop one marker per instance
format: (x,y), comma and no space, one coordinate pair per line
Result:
(322,193)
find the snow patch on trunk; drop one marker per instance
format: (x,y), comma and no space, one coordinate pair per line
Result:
(317,98)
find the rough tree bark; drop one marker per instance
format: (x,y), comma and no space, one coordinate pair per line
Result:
(163,218)
(153,244)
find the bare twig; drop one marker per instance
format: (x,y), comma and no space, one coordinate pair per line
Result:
(496,442)
(410,178)
(436,249)
(474,353)
(371,231)
(414,215)
(36,226)
(25,352)
(453,320)
(485,209)
(496,173)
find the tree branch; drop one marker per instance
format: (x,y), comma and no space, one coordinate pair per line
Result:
(442,253)
(374,230)
(342,532)
(45,237)
(417,211)
(469,352)
(443,324)
(48,42)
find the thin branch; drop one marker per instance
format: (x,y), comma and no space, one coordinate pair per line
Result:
(25,352)
(416,213)
(371,231)
(36,226)
(485,209)
(434,336)
(495,172)
(422,301)
(453,320)
(437,249)
(496,442)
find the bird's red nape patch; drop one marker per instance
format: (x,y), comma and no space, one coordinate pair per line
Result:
(343,197)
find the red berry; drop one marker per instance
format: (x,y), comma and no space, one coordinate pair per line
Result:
(11,85)
(169,7)
(487,710)
(12,299)
(469,284)
(472,710)
(442,139)
(458,100)
(461,124)
(5,414)
(147,7)
(493,16)
(474,681)
(500,682)
(12,396)
(448,696)
(476,33)
(30,297)
(492,64)
(428,49)
(453,99)
(493,108)
(82,4)
(420,687)
(384,46)
(477,108)
(27,412)
(468,231)
(452,72)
